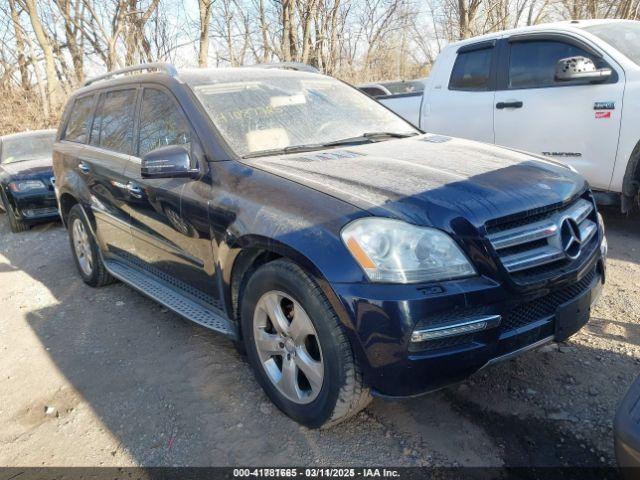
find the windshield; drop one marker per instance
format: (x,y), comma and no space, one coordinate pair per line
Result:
(28,147)
(623,36)
(276,111)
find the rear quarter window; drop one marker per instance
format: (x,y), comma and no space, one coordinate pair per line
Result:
(77,129)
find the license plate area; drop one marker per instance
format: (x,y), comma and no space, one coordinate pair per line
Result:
(572,316)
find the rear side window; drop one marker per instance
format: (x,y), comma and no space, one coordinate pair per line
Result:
(472,70)
(79,120)
(162,123)
(113,124)
(533,64)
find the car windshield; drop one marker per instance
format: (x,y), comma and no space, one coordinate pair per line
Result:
(623,36)
(283,111)
(28,147)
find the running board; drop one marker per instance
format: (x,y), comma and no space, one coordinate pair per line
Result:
(180,303)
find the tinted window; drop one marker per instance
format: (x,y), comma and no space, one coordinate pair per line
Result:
(161,122)
(79,120)
(472,70)
(373,91)
(533,64)
(113,124)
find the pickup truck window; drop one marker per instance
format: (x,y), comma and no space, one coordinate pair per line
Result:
(113,124)
(472,70)
(276,111)
(77,129)
(161,122)
(623,36)
(532,64)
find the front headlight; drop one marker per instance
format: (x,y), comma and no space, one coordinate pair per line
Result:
(27,185)
(392,251)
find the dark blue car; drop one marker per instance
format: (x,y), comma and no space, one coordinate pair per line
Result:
(348,253)
(26,179)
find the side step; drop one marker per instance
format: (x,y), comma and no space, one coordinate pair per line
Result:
(171,298)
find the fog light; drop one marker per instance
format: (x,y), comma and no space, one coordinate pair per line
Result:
(463,328)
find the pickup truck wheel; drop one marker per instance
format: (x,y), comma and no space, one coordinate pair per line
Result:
(298,351)
(85,250)
(15,224)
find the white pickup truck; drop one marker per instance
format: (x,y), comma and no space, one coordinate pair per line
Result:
(569,91)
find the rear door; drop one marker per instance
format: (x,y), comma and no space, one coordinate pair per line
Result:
(576,123)
(171,238)
(461,103)
(102,165)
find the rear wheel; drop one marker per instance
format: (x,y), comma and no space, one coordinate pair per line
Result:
(85,250)
(298,351)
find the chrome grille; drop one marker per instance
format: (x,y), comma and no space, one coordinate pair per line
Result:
(559,236)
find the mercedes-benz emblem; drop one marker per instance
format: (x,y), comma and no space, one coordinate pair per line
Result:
(570,238)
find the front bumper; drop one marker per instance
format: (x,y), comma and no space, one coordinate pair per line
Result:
(35,207)
(384,317)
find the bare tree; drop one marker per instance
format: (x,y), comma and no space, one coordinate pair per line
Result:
(54,93)
(204,8)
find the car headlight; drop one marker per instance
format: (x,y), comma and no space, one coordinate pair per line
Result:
(393,251)
(27,185)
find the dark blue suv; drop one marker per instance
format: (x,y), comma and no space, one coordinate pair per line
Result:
(348,253)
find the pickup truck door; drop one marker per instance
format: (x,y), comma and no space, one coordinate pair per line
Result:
(575,123)
(460,101)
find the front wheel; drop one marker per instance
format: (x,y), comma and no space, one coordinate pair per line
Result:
(297,349)
(15,224)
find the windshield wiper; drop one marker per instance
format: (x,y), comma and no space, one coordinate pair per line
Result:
(282,151)
(364,138)
(369,137)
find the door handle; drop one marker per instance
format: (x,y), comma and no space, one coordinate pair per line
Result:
(502,105)
(134,190)
(84,168)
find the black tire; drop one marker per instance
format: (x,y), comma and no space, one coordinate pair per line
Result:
(15,224)
(99,276)
(343,392)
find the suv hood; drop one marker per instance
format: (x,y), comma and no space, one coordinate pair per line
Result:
(431,179)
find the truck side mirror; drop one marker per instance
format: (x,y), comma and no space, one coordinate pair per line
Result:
(580,68)
(173,161)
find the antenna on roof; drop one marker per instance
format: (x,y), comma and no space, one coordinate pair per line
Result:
(144,67)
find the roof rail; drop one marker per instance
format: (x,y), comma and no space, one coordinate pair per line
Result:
(298,66)
(159,66)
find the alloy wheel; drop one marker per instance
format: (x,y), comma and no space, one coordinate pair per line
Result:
(82,247)
(288,347)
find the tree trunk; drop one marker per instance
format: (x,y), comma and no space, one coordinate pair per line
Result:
(22,60)
(204,7)
(53,85)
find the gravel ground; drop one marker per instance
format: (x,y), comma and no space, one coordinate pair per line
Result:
(107,377)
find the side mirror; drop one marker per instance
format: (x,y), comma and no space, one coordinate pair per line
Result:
(173,161)
(580,68)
